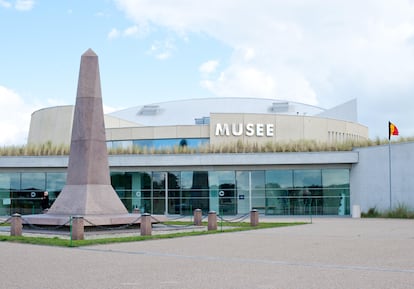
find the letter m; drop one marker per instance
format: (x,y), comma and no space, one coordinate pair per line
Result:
(222,129)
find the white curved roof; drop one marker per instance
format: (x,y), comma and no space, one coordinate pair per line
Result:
(185,112)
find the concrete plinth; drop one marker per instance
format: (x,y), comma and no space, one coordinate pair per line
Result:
(16,225)
(198,217)
(254,218)
(146,226)
(78,230)
(212,221)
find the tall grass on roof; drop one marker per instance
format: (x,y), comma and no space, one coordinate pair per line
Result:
(49,149)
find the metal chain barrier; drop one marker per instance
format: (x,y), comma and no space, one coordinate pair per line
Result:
(45,228)
(107,228)
(237,219)
(6,221)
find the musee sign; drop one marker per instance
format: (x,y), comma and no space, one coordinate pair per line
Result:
(249,129)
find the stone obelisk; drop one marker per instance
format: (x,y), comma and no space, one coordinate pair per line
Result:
(88,189)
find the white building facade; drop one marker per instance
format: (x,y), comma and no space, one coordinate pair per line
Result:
(318,183)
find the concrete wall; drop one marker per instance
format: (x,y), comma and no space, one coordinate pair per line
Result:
(55,124)
(370,181)
(52,124)
(285,128)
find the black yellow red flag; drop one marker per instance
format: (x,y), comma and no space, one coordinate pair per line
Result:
(392,130)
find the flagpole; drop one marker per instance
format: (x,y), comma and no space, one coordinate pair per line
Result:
(392,130)
(389,170)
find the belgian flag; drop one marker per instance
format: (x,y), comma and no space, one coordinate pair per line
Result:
(392,130)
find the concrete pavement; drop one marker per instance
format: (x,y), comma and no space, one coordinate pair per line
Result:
(330,253)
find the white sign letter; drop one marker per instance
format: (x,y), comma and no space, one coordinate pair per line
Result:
(259,129)
(269,129)
(249,129)
(222,129)
(237,131)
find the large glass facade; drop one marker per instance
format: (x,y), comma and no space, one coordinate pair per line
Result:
(22,192)
(193,143)
(228,192)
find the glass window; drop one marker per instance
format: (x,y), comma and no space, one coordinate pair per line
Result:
(122,144)
(243,191)
(279,184)
(307,198)
(195,191)
(34,181)
(143,143)
(307,178)
(27,198)
(336,191)
(174,193)
(335,178)
(279,179)
(54,184)
(121,182)
(146,192)
(8,182)
(258,191)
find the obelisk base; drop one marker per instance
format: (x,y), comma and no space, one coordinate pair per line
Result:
(89,220)
(87,200)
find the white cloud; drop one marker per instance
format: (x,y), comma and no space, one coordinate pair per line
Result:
(162,50)
(15,117)
(24,5)
(5,4)
(321,52)
(21,5)
(131,31)
(113,34)
(241,81)
(209,66)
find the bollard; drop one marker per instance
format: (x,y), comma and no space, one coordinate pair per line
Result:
(16,227)
(212,221)
(146,226)
(78,228)
(254,218)
(198,216)
(356,212)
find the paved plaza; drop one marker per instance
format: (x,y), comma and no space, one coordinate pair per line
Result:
(329,253)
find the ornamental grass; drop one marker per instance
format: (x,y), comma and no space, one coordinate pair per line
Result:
(49,149)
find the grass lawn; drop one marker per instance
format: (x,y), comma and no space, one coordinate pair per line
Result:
(225,227)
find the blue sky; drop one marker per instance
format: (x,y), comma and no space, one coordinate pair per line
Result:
(318,52)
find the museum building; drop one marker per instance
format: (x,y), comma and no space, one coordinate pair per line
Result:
(316,183)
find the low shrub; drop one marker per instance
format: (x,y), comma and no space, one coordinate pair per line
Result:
(371,213)
(402,211)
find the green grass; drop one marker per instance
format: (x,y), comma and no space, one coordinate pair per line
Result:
(55,241)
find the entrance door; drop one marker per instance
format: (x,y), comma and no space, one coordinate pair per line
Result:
(227,199)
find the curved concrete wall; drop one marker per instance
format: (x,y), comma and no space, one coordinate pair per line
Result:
(55,124)
(52,124)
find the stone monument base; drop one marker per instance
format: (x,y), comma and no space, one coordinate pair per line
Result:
(89,220)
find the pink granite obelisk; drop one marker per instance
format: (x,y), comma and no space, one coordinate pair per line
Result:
(88,189)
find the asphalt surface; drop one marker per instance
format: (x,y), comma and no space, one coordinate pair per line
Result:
(329,253)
